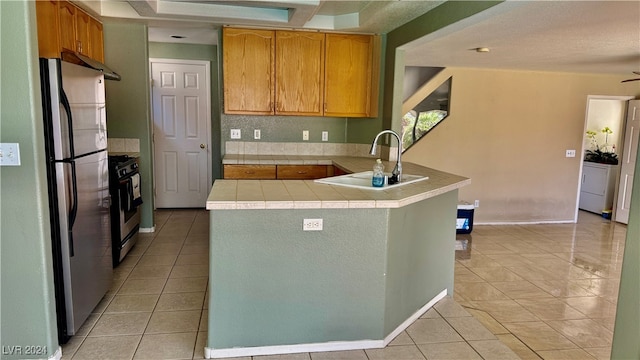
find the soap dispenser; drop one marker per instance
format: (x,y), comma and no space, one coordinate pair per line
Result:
(378,174)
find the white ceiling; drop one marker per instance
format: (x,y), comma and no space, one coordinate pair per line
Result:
(567,36)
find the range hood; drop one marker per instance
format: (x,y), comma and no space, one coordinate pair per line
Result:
(82,60)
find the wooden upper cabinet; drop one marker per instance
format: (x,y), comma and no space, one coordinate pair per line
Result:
(48,28)
(82,33)
(248,71)
(96,40)
(64,27)
(348,85)
(67,13)
(302,73)
(299,73)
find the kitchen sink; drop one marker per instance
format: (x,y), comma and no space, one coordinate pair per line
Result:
(362,180)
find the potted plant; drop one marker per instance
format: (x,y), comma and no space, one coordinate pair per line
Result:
(605,154)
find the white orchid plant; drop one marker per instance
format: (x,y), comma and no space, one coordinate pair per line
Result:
(605,154)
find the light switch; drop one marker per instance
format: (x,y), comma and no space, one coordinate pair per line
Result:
(305,135)
(9,154)
(570,153)
(236,134)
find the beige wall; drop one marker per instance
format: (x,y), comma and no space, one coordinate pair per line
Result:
(508,131)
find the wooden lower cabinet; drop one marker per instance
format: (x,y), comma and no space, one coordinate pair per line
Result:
(240,172)
(338,171)
(301,172)
(281,172)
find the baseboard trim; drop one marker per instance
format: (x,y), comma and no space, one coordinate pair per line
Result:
(57,355)
(541,222)
(211,353)
(147,230)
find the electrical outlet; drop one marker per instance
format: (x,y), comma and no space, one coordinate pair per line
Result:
(312,224)
(325,136)
(236,134)
(256,134)
(305,135)
(571,153)
(476,203)
(9,154)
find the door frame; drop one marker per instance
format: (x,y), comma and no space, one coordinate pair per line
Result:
(207,65)
(583,148)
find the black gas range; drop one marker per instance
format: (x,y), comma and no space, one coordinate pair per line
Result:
(124,187)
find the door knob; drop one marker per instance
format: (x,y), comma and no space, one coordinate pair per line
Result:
(202,146)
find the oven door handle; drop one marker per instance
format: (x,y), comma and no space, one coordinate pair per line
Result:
(126,178)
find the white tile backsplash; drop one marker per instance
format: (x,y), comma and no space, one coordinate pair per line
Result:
(115,145)
(130,145)
(251,148)
(293,148)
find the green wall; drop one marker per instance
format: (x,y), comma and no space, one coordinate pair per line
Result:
(420,256)
(285,128)
(359,278)
(627,328)
(206,53)
(275,285)
(27,303)
(128,100)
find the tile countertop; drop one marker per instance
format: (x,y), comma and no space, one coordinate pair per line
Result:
(307,194)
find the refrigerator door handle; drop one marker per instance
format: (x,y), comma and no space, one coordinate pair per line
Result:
(67,108)
(106,202)
(73,212)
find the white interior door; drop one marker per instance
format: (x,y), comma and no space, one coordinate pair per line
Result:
(182,132)
(628,161)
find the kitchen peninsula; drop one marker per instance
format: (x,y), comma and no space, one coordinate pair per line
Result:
(381,259)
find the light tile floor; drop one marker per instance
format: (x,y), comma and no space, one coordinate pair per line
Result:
(546,291)
(534,291)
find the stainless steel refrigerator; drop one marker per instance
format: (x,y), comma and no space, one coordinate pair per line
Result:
(73,100)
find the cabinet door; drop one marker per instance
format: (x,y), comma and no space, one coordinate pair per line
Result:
(240,172)
(48,28)
(82,32)
(299,73)
(348,70)
(248,71)
(301,172)
(96,42)
(67,25)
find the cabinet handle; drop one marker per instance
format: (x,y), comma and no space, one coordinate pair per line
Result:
(583,177)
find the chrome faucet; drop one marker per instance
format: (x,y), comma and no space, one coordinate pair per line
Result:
(397,171)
